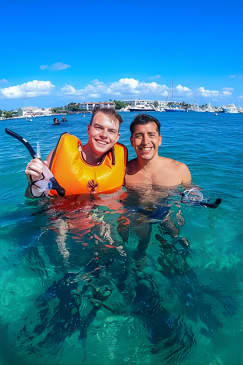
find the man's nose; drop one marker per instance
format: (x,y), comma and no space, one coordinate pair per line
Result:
(104,133)
(145,139)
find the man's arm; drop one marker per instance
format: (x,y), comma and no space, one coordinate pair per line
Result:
(186,178)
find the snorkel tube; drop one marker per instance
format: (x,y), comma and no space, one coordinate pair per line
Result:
(195,197)
(54,184)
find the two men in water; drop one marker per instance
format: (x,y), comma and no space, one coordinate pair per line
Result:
(146,171)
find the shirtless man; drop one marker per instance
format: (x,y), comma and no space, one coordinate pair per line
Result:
(148,169)
(150,177)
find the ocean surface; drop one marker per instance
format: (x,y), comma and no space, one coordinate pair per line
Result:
(79,284)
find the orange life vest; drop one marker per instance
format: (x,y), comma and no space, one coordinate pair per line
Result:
(78,177)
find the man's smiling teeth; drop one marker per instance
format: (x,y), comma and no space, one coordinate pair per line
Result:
(146,148)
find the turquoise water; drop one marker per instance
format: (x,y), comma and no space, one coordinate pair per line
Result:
(74,288)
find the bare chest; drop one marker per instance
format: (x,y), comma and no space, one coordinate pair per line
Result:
(159,177)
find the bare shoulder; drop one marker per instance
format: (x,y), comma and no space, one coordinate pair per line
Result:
(184,172)
(131,166)
(170,162)
(178,168)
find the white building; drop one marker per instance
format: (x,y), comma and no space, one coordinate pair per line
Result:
(89,106)
(33,111)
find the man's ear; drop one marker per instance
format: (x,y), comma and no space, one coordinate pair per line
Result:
(160,142)
(131,141)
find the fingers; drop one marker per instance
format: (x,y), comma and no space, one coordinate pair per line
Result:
(34,169)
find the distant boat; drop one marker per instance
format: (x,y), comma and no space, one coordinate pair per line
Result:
(209,109)
(231,109)
(141,108)
(175,109)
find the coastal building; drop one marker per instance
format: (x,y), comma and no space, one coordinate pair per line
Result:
(33,111)
(89,106)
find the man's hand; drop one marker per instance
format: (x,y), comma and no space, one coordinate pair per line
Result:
(34,169)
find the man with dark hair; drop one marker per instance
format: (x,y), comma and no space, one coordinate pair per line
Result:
(150,176)
(143,119)
(148,169)
(97,166)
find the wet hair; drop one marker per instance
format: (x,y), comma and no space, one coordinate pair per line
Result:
(107,111)
(144,119)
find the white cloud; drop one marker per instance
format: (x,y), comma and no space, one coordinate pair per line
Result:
(69,90)
(183,90)
(124,88)
(130,83)
(58,66)
(227,91)
(216,95)
(207,93)
(27,90)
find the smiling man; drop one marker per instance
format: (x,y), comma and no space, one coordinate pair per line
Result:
(149,170)
(96,167)
(149,178)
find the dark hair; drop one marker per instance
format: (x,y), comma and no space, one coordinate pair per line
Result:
(107,111)
(144,119)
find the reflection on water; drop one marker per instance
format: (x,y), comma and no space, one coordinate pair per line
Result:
(109,280)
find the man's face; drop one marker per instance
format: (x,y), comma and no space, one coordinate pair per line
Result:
(146,140)
(103,133)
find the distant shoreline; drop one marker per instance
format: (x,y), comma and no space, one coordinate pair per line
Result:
(46,115)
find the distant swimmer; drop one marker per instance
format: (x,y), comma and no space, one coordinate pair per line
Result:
(56,121)
(64,119)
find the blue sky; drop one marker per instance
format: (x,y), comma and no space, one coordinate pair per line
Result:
(55,52)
